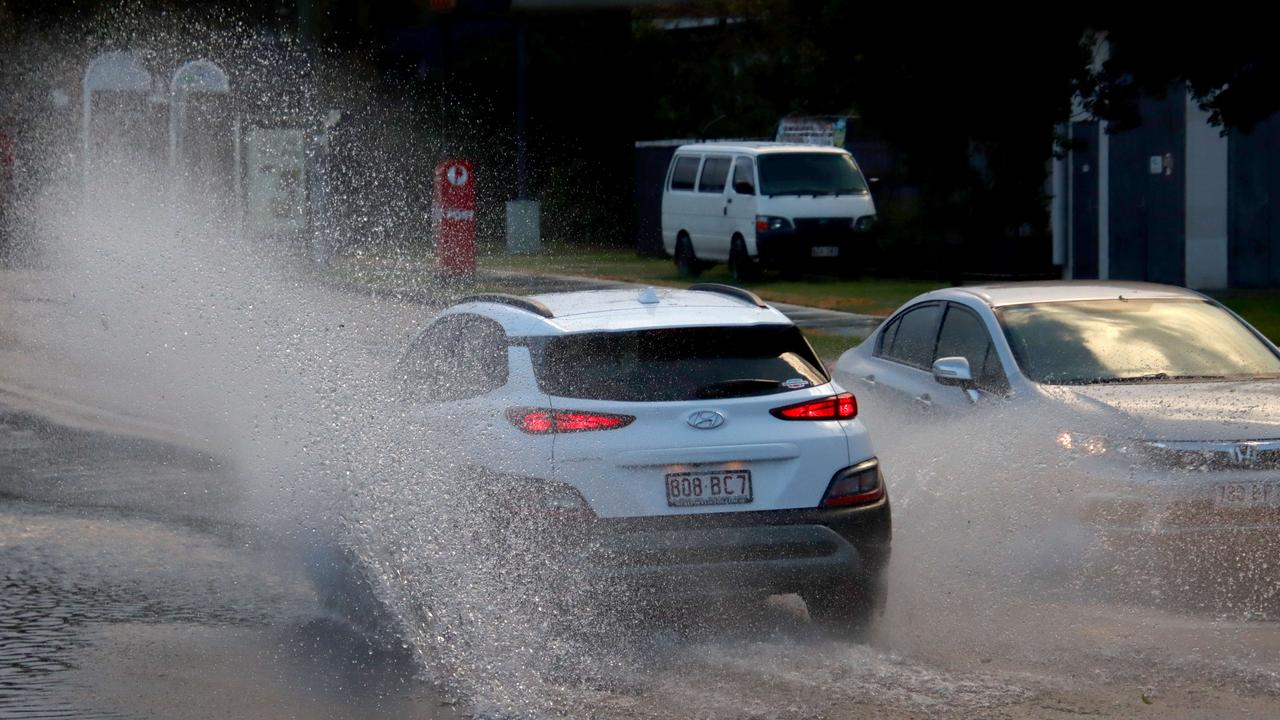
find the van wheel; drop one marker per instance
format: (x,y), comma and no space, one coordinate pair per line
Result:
(687,264)
(741,267)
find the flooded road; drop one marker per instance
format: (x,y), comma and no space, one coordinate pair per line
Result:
(147,574)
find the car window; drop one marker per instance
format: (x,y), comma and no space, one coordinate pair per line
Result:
(685,173)
(674,364)
(457,357)
(714,172)
(915,333)
(964,335)
(744,171)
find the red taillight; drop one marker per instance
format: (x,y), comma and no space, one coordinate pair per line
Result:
(762,224)
(837,407)
(540,421)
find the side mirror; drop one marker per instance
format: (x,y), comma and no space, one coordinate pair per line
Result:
(742,187)
(953,371)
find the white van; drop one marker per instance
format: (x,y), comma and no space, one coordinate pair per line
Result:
(757,205)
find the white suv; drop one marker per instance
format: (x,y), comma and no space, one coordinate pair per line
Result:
(692,436)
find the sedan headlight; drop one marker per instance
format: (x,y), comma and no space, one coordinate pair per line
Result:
(1082,443)
(864,223)
(766,223)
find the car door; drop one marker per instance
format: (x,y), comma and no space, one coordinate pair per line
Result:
(964,334)
(901,366)
(712,241)
(740,202)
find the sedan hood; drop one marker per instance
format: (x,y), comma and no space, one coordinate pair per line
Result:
(1246,410)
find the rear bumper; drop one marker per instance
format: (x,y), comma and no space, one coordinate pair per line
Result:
(735,553)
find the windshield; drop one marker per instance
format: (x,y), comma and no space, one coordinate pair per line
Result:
(1098,341)
(810,173)
(677,364)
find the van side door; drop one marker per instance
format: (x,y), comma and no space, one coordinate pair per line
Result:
(712,239)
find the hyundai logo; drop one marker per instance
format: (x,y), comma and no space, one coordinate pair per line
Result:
(705,419)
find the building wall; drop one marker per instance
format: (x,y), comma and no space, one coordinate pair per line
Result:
(1253,251)
(1206,206)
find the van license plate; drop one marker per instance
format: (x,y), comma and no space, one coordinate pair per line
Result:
(826,251)
(708,487)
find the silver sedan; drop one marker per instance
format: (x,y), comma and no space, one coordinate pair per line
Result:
(1152,410)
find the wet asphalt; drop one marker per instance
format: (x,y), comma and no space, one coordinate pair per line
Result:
(117,553)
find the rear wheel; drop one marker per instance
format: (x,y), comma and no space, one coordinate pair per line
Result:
(687,264)
(848,608)
(741,267)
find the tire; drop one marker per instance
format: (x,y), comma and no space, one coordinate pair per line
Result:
(847,609)
(741,267)
(687,264)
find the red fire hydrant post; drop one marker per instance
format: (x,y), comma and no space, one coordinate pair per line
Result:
(454,218)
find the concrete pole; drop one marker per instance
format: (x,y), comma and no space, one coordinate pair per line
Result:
(522,108)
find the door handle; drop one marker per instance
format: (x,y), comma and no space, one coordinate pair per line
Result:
(869,379)
(924,401)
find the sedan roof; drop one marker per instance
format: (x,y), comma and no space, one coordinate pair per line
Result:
(1022,293)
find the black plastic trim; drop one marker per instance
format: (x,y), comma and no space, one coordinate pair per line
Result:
(515,301)
(734,292)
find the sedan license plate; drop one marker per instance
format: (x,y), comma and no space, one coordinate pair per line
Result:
(708,487)
(1264,493)
(826,251)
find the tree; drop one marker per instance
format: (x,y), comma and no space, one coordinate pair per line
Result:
(1230,63)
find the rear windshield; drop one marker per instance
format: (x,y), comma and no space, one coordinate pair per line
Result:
(675,364)
(803,173)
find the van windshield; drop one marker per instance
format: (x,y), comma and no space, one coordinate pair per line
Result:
(810,173)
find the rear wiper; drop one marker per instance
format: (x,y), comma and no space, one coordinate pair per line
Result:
(736,388)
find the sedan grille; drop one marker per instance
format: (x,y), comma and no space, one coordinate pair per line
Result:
(1216,455)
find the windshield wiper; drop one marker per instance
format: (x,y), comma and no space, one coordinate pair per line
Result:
(736,388)
(1149,377)
(814,193)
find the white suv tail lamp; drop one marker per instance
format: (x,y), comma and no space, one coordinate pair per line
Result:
(836,407)
(544,421)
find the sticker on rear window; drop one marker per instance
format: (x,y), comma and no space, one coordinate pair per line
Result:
(795,383)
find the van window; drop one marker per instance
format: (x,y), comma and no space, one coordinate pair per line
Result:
(685,173)
(810,173)
(744,173)
(714,172)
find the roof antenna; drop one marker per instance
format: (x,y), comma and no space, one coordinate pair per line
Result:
(649,296)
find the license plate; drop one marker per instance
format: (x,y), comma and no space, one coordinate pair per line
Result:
(1265,493)
(826,252)
(708,487)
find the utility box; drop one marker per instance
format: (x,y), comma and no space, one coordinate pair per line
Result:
(524,227)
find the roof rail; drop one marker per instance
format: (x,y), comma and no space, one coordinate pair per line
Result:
(515,301)
(736,293)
